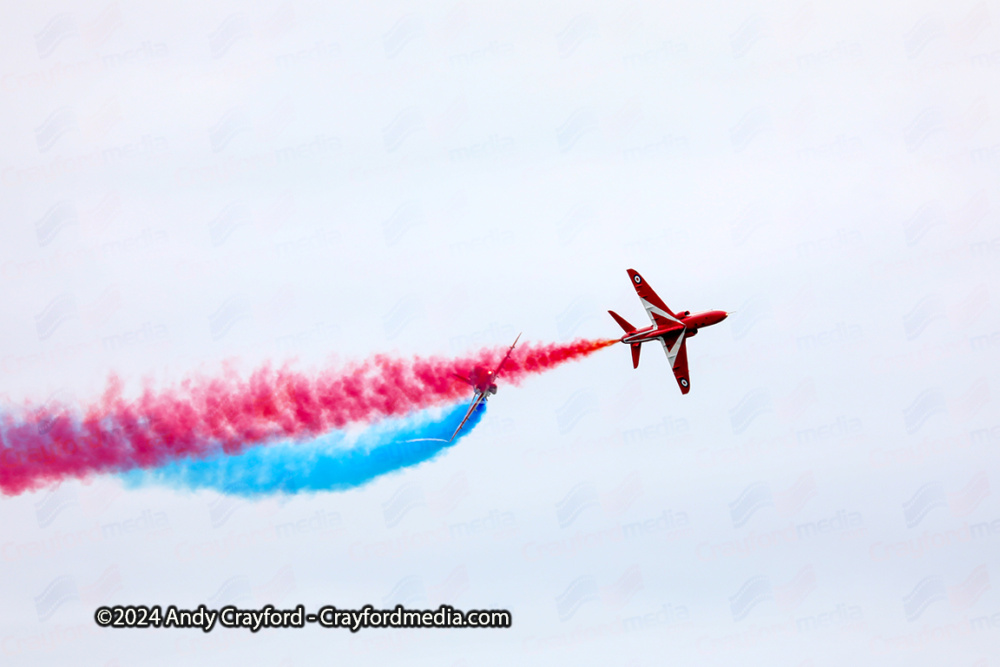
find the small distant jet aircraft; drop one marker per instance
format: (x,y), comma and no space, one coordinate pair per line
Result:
(671,329)
(483,384)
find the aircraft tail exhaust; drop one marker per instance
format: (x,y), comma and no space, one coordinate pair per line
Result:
(621,322)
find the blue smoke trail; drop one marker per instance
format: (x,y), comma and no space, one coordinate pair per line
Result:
(329,463)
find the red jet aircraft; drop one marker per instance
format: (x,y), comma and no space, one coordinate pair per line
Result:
(483,384)
(671,329)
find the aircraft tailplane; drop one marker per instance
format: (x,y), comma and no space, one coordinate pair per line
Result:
(621,322)
(636,349)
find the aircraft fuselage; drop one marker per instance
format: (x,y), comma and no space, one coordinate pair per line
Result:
(690,322)
(483,380)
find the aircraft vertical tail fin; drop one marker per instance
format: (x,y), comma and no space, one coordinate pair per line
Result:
(636,349)
(621,322)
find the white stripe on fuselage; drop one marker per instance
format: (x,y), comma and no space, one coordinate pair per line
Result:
(648,336)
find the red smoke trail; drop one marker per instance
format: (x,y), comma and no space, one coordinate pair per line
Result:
(43,445)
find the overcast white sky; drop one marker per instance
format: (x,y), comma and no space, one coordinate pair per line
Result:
(188,183)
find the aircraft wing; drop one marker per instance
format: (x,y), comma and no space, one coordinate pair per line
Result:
(657,310)
(504,360)
(479,398)
(675,345)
